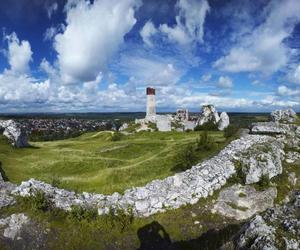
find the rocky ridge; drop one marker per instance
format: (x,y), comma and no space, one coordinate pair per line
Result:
(276,228)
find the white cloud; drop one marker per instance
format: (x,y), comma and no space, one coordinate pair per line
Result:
(22,89)
(51,9)
(92,35)
(189,22)
(19,54)
(51,32)
(147,71)
(147,31)
(263,50)
(294,75)
(225,82)
(285,91)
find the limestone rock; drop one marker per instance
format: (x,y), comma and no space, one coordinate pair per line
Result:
(284,116)
(270,128)
(224,121)
(123,127)
(257,235)
(13,224)
(14,133)
(262,160)
(242,202)
(208,114)
(292,157)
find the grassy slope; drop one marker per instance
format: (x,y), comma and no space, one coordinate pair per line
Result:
(92,162)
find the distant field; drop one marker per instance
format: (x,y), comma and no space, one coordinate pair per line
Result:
(94,163)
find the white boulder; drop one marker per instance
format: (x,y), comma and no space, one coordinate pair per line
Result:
(285,116)
(208,114)
(14,133)
(224,121)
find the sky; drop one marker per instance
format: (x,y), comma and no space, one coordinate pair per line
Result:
(100,55)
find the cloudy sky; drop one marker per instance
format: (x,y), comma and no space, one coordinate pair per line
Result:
(99,55)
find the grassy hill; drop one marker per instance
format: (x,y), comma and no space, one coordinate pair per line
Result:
(95,163)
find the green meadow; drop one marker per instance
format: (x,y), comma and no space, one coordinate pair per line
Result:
(94,162)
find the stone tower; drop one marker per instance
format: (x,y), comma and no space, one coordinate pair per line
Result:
(151,110)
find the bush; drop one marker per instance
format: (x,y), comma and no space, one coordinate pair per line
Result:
(119,218)
(79,213)
(264,182)
(209,126)
(36,202)
(205,142)
(153,126)
(230,131)
(185,158)
(116,136)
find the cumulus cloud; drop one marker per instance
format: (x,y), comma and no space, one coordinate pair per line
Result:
(189,22)
(263,50)
(147,31)
(22,89)
(93,33)
(225,82)
(285,91)
(148,71)
(19,54)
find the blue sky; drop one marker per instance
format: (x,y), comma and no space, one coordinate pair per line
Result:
(79,55)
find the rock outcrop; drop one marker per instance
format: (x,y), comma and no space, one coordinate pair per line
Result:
(224,121)
(13,225)
(14,133)
(210,115)
(277,228)
(242,202)
(257,235)
(284,116)
(261,160)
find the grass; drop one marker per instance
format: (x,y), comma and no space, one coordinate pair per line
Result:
(93,162)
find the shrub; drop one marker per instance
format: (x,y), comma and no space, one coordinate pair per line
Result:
(120,218)
(264,182)
(206,126)
(230,131)
(239,176)
(185,158)
(36,202)
(205,142)
(79,213)
(152,126)
(116,136)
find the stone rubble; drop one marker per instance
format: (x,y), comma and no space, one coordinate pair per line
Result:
(159,195)
(13,225)
(14,133)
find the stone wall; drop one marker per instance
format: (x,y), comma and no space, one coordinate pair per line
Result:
(159,195)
